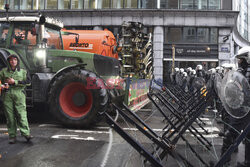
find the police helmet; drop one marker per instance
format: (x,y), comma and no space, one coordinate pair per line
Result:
(199,67)
(193,72)
(189,69)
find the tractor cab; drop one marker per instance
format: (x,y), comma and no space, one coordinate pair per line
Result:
(30,30)
(30,36)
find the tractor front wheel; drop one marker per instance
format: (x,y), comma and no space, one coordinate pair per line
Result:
(76,102)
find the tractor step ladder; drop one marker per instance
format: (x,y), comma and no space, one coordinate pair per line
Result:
(29,96)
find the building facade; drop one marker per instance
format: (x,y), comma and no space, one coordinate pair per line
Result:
(242,21)
(197,31)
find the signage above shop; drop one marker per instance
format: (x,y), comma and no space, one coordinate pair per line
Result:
(192,51)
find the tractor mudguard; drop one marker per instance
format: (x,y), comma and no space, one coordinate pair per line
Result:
(106,66)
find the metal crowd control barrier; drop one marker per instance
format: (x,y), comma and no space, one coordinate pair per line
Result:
(179,117)
(180,104)
(163,145)
(179,122)
(235,145)
(181,110)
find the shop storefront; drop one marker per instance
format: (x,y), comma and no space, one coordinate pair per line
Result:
(188,47)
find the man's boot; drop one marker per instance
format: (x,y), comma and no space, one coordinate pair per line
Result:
(12,140)
(28,138)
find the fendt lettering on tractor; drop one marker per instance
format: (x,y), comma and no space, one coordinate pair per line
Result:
(60,78)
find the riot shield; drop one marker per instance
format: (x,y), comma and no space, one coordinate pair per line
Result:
(234,94)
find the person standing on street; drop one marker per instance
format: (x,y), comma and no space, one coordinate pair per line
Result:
(14,99)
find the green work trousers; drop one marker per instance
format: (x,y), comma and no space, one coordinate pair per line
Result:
(14,101)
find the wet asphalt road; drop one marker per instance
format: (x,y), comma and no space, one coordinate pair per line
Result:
(54,145)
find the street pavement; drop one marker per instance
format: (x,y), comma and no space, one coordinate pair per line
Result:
(54,145)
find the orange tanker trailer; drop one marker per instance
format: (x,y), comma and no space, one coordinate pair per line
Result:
(100,42)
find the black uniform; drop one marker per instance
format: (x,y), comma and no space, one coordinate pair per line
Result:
(239,124)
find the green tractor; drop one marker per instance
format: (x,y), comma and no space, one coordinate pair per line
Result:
(74,84)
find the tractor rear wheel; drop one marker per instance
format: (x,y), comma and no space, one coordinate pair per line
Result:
(76,102)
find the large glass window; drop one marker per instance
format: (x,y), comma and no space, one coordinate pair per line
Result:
(190,35)
(169,4)
(117,4)
(23,35)
(213,35)
(25,4)
(131,4)
(198,4)
(89,4)
(63,4)
(201,4)
(214,4)
(77,4)
(54,38)
(203,35)
(187,4)
(104,4)
(38,4)
(2,4)
(173,35)
(148,4)
(14,4)
(4,28)
(51,4)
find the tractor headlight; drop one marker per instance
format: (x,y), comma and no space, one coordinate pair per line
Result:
(40,57)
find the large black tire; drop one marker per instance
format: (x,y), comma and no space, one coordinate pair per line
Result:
(76,102)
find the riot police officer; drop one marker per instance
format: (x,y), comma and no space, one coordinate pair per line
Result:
(244,68)
(192,76)
(239,124)
(199,71)
(185,83)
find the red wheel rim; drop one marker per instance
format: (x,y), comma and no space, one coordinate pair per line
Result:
(66,100)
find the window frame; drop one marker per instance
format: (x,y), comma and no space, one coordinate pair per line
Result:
(183,41)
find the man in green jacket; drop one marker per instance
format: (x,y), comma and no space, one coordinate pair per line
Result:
(14,100)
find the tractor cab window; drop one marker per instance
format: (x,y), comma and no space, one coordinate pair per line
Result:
(23,34)
(53,38)
(4,28)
